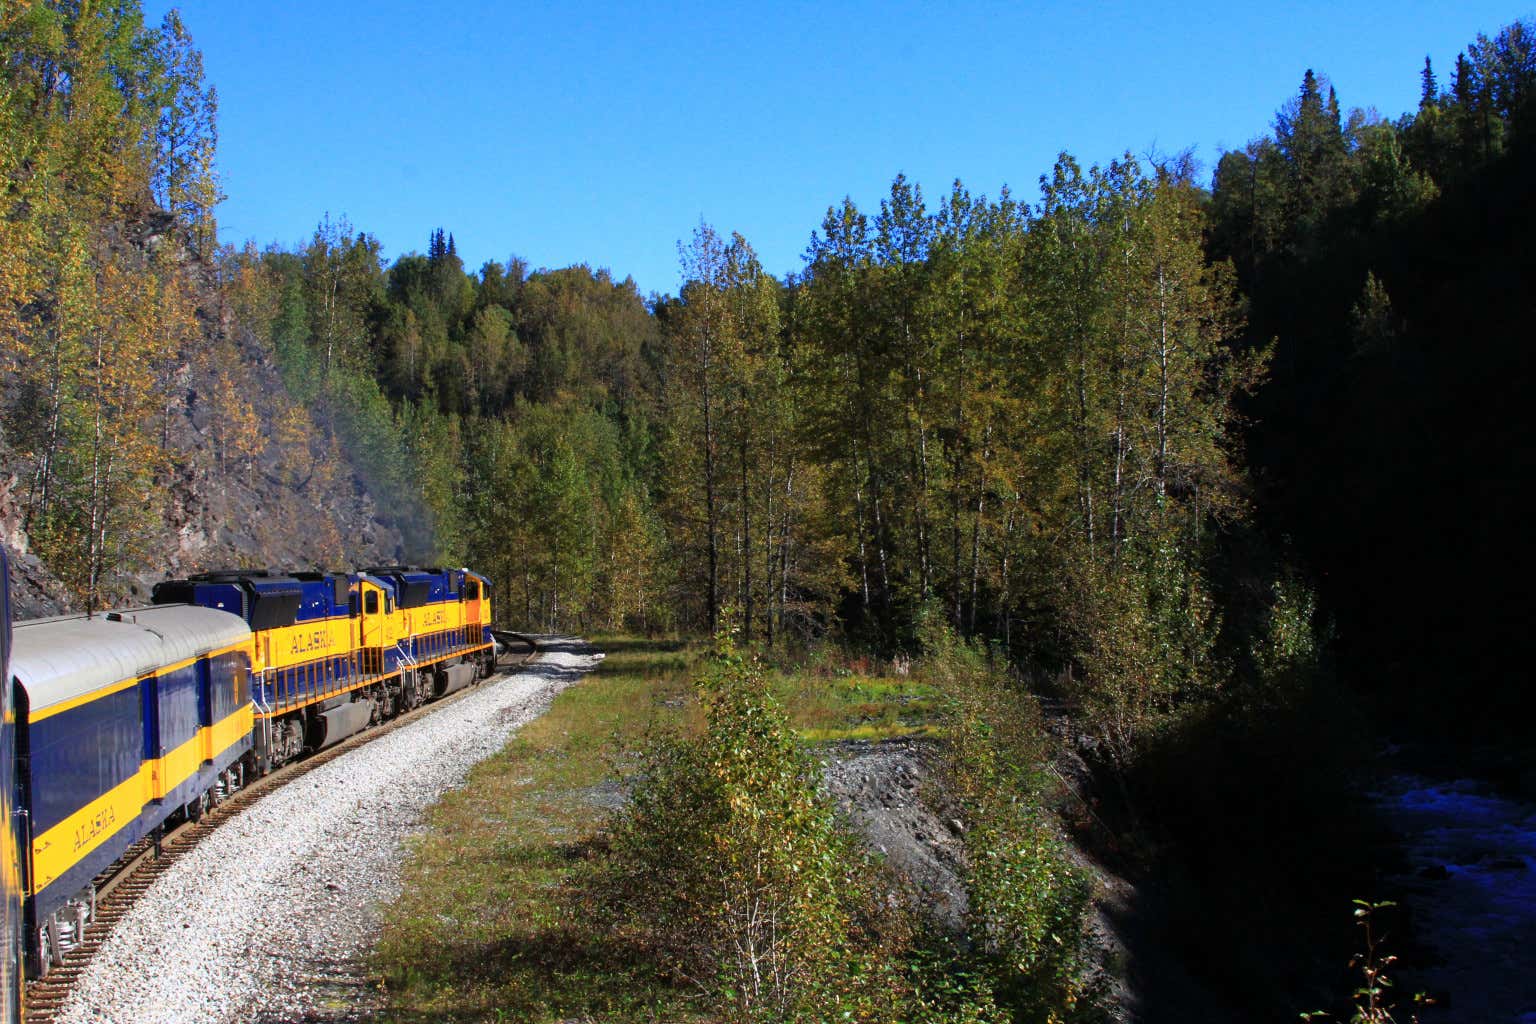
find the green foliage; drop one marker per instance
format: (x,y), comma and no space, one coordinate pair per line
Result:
(735,490)
(553,519)
(1372,319)
(185,179)
(1378,259)
(1029,907)
(1028,417)
(93,329)
(729,864)
(434,450)
(1372,999)
(1028,900)
(421,375)
(1290,645)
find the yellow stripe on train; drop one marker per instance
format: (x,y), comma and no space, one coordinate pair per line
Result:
(67,843)
(289,646)
(224,734)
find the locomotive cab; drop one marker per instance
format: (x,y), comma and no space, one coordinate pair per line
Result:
(375,609)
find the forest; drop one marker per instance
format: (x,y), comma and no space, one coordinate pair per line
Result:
(1193,450)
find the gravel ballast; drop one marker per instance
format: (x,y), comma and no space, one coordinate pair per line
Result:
(270,917)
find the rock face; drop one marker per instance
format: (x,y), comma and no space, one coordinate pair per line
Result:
(285,496)
(261,512)
(890,794)
(35,593)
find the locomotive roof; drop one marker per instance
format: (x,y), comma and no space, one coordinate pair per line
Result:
(262,579)
(60,659)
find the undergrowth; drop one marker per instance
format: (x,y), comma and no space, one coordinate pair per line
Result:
(730,868)
(712,880)
(1028,900)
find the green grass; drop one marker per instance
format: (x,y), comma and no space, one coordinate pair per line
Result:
(482,931)
(856,706)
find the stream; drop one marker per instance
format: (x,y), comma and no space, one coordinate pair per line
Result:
(1470,886)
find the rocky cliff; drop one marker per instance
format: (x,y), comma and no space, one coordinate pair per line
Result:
(249,479)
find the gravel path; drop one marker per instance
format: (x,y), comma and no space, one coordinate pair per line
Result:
(269,918)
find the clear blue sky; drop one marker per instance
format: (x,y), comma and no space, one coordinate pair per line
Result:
(602,133)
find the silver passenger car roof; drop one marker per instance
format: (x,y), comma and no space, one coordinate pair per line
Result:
(60,659)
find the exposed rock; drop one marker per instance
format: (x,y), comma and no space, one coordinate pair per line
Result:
(35,592)
(217,509)
(883,789)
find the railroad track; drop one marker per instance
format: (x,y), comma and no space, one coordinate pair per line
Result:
(122,883)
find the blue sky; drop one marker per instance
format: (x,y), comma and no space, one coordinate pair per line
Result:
(603,133)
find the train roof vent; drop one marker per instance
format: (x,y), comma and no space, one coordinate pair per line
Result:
(231,575)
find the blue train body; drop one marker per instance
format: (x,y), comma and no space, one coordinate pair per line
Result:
(10,865)
(117,723)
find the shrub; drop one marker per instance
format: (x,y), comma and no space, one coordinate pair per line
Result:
(1028,900)
(729,863)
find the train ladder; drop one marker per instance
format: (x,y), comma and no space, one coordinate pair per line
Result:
(409,660)
(264,712)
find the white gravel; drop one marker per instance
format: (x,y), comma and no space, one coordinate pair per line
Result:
(268,917)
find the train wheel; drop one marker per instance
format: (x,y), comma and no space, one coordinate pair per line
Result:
(45,945)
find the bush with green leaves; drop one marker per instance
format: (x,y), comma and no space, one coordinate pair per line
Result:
(1028,900)
(728,863)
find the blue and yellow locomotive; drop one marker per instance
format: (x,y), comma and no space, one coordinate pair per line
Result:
(117,724)
(335,652)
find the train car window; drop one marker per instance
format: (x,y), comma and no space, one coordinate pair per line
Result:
(205,684)
(371,602)
(178,702)
(149,700)
(67,772)
(229,683)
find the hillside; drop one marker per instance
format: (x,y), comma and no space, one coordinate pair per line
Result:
(247,480)
(144,427)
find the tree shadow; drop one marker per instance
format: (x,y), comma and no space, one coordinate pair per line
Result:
(564,972)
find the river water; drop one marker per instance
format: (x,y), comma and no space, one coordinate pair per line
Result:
(1470,885)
